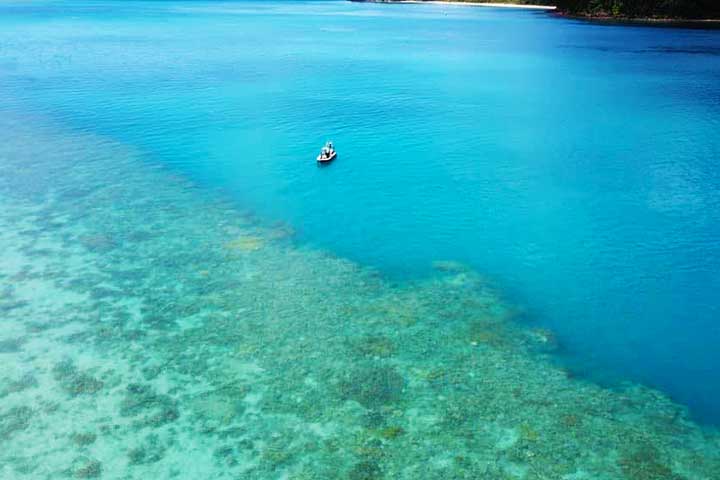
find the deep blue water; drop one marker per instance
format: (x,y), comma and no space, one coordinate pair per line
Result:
(575,165)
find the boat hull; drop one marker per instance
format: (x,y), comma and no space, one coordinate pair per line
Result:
(328,159)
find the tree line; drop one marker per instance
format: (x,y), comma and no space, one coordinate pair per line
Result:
(642,8)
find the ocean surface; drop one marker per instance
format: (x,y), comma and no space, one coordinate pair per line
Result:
(511,271)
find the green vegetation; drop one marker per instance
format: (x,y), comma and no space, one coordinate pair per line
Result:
(682,9)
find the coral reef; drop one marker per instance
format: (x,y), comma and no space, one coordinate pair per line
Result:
(365,470)
(28,380)
(147,407)
(375,346)
(84,467)
(73,381)
(16,419)
(245,244)
(645,463)
(372,385)
(151,451)
(84,438)
(164,334)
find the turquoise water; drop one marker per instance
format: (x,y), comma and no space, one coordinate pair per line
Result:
(510,271)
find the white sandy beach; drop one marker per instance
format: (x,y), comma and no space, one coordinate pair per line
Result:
(474,4)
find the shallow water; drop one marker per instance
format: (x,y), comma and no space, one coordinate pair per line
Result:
(179,300)
(573,164)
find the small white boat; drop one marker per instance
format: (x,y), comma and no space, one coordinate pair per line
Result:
(327,154)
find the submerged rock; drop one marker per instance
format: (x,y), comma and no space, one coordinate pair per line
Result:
(151,451)
(75,382)
(245,244)
(98,243)
(83,384)
(392,432)
(277,453)
(373,386)
(373,419)
(281,231)
(23,383)
(542,339)
(644,463)
(219,408)
(83,439)
(365,470)
(16,419)
(153,409)
(84,467)
(374,346)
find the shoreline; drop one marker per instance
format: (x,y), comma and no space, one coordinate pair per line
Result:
(698,23)
(468,4)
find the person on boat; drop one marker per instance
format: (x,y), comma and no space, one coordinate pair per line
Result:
(327,151)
